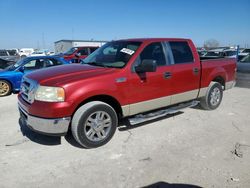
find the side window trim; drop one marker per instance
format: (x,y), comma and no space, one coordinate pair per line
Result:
(164,54)
(135,63)
(168,53)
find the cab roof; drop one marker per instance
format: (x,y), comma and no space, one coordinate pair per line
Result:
(154,39)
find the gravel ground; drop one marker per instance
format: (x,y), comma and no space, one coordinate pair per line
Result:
(192,148)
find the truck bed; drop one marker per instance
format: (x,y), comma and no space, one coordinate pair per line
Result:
(225,67)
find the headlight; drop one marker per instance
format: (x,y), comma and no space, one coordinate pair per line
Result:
(50,94)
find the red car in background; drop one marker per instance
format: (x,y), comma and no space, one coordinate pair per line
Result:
(74,54)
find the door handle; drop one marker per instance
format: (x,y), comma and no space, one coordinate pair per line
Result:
(195,70)
(167,75)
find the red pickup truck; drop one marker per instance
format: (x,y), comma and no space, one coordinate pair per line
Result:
(76,53)
(123,78)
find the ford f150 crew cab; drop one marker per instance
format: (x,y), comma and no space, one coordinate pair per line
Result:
(122,78)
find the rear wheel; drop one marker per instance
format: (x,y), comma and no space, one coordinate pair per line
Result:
(213,97)
(94,124)
(5,88)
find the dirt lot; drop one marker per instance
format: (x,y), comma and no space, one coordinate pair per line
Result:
(194,147)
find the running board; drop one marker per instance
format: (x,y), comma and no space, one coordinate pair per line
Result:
(140,118)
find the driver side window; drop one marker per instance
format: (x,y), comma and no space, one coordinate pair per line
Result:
(154,51)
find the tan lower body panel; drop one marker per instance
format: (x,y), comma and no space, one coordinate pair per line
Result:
(145,106)
(186,96)
(149,105)
(132,109)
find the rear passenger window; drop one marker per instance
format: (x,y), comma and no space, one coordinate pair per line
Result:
(181,52)
(154,51)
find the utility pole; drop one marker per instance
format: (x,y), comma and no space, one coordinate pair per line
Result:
(72,33)
(43,40)
(38,45)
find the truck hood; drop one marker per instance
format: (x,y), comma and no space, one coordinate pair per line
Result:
(64,74)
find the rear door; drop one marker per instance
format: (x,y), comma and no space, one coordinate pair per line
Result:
(150,90)
(186,72)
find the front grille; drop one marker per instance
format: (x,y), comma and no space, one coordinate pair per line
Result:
(28,88)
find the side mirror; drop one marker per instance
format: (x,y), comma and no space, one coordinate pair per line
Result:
(147,65)
(21,69)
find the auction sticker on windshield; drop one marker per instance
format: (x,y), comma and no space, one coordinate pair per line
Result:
(127,51)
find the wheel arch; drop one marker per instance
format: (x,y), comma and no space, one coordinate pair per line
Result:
(220,80)
(218,75)
(113,102)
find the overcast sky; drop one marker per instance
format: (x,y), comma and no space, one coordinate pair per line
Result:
(34,23)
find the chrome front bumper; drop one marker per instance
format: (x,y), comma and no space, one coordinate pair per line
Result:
(58,126)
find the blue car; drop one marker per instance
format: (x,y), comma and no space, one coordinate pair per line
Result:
(10,77)
(243,65)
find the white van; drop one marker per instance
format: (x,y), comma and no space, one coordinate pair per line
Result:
(24,52)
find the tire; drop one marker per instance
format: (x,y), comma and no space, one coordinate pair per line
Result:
(94,124)
(23,56)
(5,88)
(213,97)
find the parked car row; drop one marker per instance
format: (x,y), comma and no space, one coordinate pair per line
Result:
(5,63)
(76,54)
(224,52)
(9,55)
(243,53)
(243,65)
(215,53)
(11,76)
(16,54)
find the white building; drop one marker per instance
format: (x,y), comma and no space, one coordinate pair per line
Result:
(63,45)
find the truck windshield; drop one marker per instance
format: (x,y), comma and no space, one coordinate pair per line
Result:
(70,51)
(113,54)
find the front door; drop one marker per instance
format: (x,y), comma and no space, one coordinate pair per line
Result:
(150,90)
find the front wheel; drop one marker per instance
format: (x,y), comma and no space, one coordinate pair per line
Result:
(94,124)
(213,97)
(5,88)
